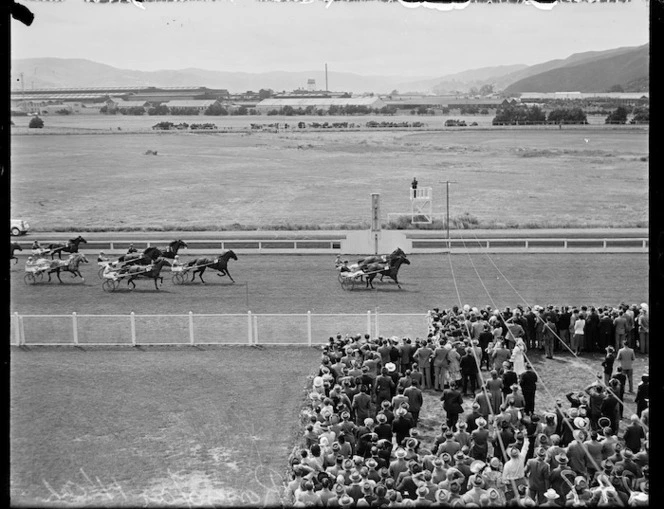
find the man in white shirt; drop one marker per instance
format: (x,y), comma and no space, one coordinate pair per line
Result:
(514,470)
(626,359)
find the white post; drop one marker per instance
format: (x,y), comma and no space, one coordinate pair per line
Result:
(255,329)
(22,329)
(604,243)
(75,327)
(369,323)
(132,321)
(376,324)
(17,329)
(191,328)
(308,328)
(249,326)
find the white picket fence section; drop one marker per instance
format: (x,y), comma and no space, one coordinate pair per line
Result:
(192,329)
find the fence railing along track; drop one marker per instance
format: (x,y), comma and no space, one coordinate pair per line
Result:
(192,329)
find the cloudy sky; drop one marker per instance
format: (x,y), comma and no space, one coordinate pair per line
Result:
(371,38)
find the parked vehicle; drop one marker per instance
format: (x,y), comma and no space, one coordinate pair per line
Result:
(18,227)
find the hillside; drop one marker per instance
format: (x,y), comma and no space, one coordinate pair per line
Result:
(590,72)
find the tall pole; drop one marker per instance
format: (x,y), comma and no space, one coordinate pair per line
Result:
(447,183)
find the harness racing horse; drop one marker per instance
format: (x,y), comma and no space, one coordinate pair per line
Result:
(70,247)
(390,272)
(220,264)
(141,272)
(69,265)
(365,262)
(150,254)
(14,246)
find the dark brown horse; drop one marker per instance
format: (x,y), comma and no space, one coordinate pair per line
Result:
(13,247)
(379,268)
(69,265)
(70,247)
(150,254)
(219,264)
(142,272)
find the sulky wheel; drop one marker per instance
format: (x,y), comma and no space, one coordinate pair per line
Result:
(29,279)
(348,283)
(177,278)
(100,272)
(108,285)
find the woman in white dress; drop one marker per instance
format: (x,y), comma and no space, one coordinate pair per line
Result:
(518,358)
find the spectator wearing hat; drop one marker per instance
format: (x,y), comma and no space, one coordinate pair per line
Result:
(626,360)
(383,429)
(596,397)
(634,434)
(642,394)
(594,452)
(401,425)
(606,332)
(500,354)
(553,450)
(368,496)
(399,399)
(307,495)
(440,365)
(550,496)
(479,448)
(620,328)
(548,337)
(423,357)
(607,363)
(415,400)
(461,435)
(643,322)
(384,386)
(576,453)
(494,387)
(406,352)
(528,382)
(452,404)
(476,491)
(449,445)
(514,469)
(509,379)
(627,463)
(504,439)
(562,477)
(618,383)
(361,405)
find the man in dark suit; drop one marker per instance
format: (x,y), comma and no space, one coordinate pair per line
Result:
(415,399)
(452,404)
(605,330)
(469,371)
(528,384)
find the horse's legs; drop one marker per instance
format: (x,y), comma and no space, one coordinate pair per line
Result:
(200,274)
(229,275)
(155,283)
(57,273)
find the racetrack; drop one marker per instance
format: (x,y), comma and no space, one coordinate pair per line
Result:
(301,283)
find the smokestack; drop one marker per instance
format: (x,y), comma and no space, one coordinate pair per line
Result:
(326,87)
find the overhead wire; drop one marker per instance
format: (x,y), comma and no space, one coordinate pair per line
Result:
(565,420)
(562,342)
(483,385)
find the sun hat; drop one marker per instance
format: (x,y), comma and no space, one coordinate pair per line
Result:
(581,422)
(459,455)
(371,463)
(627,453)
(480,421)
(438,462)
(423,490)
(345,501)
(603,422)
(514,452)
(355,476)
(562,458)
(391,367)
(400,453)
(318,381)
(442,495)
(478,481)
(366,487)
(579,479)
(400,411)
(494,463)
(381,418)
(493,493)
(551,494)
(348,464)
(461,424)
(541,452)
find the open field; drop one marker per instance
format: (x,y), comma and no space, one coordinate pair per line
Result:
(194,427)
(574,177)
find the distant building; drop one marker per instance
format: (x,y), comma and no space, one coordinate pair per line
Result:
(199,105)
(613,97)
(320,104)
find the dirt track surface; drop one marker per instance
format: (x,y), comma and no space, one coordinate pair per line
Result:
(301,283)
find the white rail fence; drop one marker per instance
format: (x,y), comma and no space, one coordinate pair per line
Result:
(207,329)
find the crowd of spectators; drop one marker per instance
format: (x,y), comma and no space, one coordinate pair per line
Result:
(364,445)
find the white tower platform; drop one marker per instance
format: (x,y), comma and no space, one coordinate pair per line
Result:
(421,205)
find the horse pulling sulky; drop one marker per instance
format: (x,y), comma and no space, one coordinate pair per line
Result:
(199,265)
(112,276)
(370,267)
